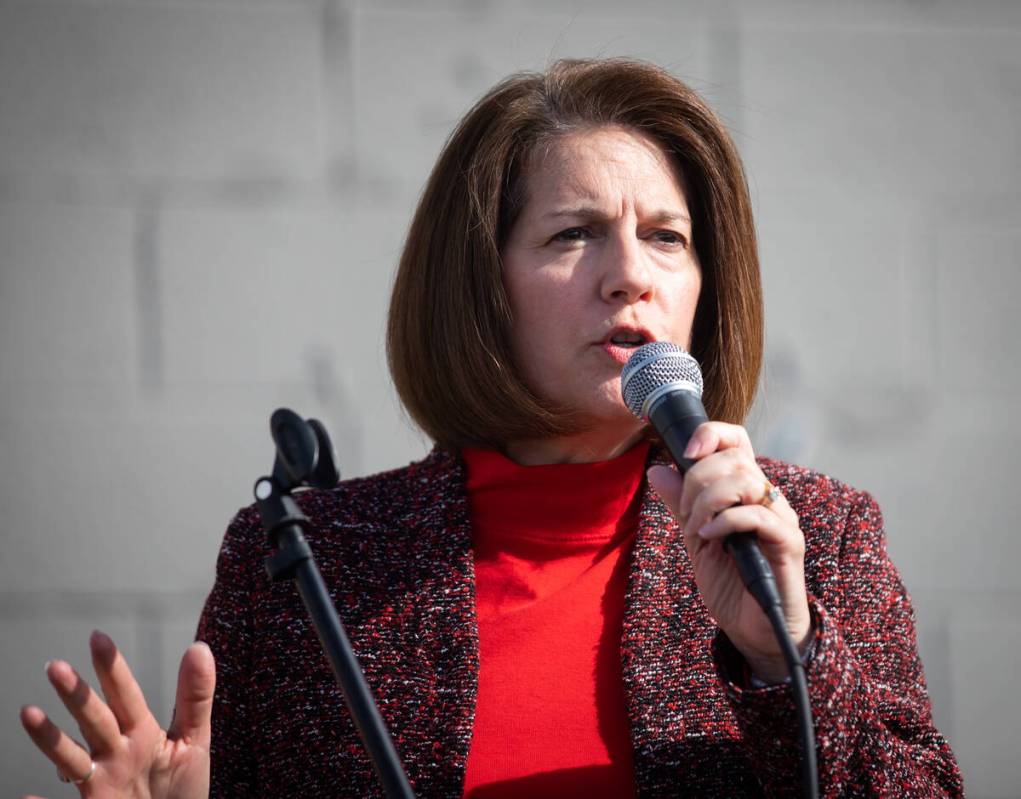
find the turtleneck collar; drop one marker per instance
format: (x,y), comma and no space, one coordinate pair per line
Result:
(589,502)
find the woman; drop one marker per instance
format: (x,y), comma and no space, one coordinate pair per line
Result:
(534,616)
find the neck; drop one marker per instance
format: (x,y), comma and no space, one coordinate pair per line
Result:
(587,447)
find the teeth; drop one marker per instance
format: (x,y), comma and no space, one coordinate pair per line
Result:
(627,339)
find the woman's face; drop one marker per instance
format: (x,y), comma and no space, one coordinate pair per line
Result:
(599,261)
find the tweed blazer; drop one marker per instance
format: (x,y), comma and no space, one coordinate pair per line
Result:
(395,552)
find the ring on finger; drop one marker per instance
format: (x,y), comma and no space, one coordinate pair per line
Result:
(770,494)
(83,780)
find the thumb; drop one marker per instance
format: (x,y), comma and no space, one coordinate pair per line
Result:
(196,682)
(668,485)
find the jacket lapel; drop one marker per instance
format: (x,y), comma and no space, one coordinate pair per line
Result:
(680,724)
(449,637)
(412,621)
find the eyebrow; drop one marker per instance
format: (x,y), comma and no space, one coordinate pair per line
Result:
(663,216)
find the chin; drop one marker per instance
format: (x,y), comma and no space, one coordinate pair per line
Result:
(597,407)
(612,413)
(609,403)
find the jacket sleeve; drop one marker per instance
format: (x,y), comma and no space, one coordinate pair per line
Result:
(873,720)
(225,625)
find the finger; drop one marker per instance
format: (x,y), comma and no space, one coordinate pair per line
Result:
(196,682)
(768,527)
(710,437)
(746,485)
(735,489)
(70,759)
(668,483)
(711,469)
(95,720)
(121,690)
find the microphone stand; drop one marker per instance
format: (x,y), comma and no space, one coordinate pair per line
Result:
(305,458)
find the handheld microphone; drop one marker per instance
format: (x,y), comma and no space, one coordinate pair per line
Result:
(662,384)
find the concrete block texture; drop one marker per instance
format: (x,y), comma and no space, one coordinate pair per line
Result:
(179,91)
(67,295)
(986,707)
(821,271)
(294,298)
(945,498)
(127,503)
(459,71)
(883,111)
(202,203)
(291,282)
(978,280)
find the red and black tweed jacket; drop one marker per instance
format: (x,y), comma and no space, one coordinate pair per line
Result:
(395,551)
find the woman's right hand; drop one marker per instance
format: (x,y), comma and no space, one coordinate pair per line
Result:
(133,755)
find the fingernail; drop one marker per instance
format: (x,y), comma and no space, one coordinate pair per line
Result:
(691,450)
(63,679)
(703,531)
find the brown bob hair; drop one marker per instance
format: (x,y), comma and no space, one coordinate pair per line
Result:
(448,341)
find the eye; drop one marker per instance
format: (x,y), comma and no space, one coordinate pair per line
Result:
(573,234)
(670,239)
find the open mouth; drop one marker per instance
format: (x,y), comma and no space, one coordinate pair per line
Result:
(629,339)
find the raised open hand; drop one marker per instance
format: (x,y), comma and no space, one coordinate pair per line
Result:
(127,753)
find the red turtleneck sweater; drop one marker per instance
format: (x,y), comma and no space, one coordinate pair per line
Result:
(552,547)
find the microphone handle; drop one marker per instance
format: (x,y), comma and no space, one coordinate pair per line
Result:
(674,417)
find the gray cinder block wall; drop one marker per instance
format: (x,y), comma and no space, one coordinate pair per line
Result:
(202,203)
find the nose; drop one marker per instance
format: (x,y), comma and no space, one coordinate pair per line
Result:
(626,274)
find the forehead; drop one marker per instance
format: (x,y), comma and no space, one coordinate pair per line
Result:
(603,165)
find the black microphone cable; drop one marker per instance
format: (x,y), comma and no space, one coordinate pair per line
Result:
(661,383)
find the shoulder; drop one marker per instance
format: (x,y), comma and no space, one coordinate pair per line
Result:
(420,488)
(811,493)
(840,522)
(361,517)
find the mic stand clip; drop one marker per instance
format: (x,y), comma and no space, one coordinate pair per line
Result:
(305,458)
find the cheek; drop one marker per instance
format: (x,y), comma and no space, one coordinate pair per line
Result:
(535,322)
(538,297)
(689,291)
(525,314)
(543,320)
(682,310)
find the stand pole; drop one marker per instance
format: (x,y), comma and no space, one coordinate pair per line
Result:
(283,522)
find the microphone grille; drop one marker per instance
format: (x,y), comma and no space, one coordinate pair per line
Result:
(652,370)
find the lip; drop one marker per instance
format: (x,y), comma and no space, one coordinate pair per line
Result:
(623,354)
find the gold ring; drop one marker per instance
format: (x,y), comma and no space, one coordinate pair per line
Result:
(770,494)
(83,780)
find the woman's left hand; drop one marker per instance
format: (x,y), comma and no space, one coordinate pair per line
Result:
(723,493)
